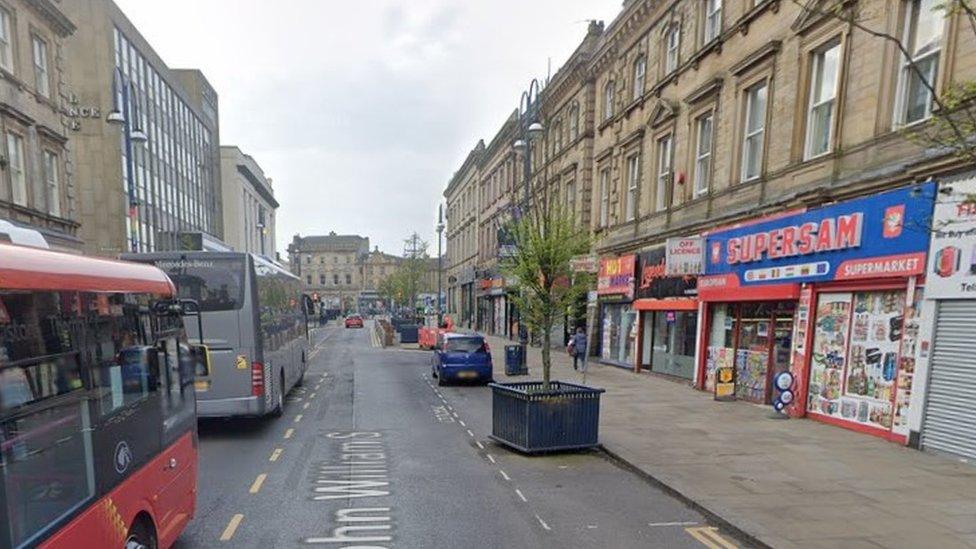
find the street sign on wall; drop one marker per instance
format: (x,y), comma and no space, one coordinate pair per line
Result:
(685,256)
(952,261)
(616,277)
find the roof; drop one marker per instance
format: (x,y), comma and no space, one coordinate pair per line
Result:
(23,268)
(332,243)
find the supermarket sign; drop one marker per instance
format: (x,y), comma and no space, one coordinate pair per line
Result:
(885,235)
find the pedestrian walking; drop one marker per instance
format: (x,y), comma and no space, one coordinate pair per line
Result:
(577,345)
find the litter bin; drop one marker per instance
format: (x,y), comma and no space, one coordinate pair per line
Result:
(515,360)
(409,333)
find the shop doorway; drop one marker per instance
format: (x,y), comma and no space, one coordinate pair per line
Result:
(755,337)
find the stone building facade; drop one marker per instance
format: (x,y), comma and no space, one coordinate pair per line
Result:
(250,207)
(463,196)
(37,111)
(172,119)
(330,265)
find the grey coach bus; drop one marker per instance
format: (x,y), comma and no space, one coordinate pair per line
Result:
(255,328)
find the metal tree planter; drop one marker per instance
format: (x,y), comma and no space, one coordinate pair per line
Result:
(567,417)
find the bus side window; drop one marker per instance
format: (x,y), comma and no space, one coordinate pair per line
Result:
(177,371)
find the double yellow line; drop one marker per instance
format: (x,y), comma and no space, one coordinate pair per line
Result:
(709,537)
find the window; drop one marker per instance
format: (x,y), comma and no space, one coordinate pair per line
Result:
(322,279)
(663,172)
(608,101)
(216,284)
(53,187)
(6,49)
(40,67)
(713,20)
(18,175)
(321,261)
(703,154)
(335,279)
(604,197)
(755,131)
(348,279)
(824,71)
(573,122)
(308,260)
(640,68)
(557,139)
(672,42)
(571,198)
(633,178)
(308,280)
(922,36)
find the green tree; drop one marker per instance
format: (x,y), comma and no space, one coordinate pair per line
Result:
(546,238)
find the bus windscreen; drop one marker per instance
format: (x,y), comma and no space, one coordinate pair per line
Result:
(216,284)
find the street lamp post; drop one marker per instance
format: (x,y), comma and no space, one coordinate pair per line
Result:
(126,112)
(529,129)
(440,263)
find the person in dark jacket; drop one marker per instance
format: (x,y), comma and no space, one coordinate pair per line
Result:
(577,343)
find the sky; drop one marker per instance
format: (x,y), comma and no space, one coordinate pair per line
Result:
(362,111)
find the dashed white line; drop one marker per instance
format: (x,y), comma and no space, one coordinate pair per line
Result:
(491,458)
(542,522)
(504,474)
(470,433)
(298,418)
(311,396)
(289,433)
(520,495)
(461,423)
(306,405)
(480,445)
(672,523)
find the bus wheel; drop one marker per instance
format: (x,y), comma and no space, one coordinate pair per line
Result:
(280,398)
(142,535)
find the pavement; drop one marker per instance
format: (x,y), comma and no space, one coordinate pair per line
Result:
(785,484)
(370,452)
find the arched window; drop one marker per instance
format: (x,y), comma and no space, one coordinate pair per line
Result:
(608,100)
(640,69)
(573,122)
(672,46)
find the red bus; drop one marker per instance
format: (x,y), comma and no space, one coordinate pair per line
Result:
(97,413)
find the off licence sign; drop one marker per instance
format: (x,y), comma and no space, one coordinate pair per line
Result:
(684,256)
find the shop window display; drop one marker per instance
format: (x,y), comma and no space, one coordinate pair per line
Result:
(856,354)
(619,334)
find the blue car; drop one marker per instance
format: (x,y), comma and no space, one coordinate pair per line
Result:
(461,357)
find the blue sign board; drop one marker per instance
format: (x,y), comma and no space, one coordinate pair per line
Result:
(883,235)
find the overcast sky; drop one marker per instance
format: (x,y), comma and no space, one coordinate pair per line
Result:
(361,111)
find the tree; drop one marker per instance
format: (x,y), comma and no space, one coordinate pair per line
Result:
(546,238)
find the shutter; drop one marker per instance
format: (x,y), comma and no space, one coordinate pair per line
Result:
(950,417)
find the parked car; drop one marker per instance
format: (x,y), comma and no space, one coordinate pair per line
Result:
(461,357)
(354,321)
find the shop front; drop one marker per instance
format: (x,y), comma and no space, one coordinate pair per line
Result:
(948,424)
(667,306)
(618,319)
(830,294)
(492,306)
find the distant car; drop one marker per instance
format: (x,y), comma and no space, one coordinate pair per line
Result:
(461,357)
(354,321)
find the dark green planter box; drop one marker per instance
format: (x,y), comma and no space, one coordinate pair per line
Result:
(565,418)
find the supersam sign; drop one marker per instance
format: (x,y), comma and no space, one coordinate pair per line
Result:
(885,235)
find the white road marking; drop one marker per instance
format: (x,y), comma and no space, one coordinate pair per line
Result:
(461,423)
(306,405)
(491,458)
(235,521)
(298,418)
(276,454)
(470,433)
(311,396)
(289,432)
(504,474)
(256,485)
(542,522)
(679,523)
(520,495)
(480,445)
